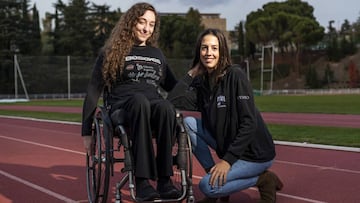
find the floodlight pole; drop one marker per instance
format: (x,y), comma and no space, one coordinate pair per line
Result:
(15,77)
(271,69)
(68,74)
(17,70)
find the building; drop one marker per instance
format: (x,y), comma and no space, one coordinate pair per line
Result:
(209,20)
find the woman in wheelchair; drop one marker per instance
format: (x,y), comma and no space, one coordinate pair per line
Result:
(130,69)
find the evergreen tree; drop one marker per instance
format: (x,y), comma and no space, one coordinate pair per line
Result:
(178,34)
(241,40)
(36,44)
(73,31)
(353,75)
(290,25)
(102,20)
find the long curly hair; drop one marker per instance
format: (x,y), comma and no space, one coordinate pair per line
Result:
(122,39)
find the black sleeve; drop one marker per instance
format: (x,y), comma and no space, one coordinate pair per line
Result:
(94,90)
(183,95)
(169,80)
(246,114)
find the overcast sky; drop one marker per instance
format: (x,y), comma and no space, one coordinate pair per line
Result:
(233,10)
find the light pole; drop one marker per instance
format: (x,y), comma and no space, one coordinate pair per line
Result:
(14,49)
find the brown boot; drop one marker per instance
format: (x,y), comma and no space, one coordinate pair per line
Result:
(207,200)
(268,183)
(225,199)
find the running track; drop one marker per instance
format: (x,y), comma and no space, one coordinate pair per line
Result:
(351,121)
(44,162)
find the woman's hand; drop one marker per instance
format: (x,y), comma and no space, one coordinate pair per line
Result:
(88,144)
(219,173)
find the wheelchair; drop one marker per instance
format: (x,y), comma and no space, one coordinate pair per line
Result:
(111,145)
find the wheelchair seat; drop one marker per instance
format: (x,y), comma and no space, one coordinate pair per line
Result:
(108,127)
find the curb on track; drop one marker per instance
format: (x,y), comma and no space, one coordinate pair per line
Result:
(294,144)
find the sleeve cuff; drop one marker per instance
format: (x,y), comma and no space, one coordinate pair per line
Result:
(230,158)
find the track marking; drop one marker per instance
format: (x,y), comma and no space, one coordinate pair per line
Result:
(40,120)
(308,145)
(278,161)
(37,187)
(299,198)
(43,145)
(199,177)
(293,197)
(317,166)
(318,146)
(194,176)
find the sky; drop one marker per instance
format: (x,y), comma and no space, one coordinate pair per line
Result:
(233,10)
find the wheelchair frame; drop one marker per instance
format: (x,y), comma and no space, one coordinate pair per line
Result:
(100,165)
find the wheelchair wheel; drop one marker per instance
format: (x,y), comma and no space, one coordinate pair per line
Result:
(98,164)
(183,166)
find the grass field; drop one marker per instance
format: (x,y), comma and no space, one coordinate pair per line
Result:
(338,104)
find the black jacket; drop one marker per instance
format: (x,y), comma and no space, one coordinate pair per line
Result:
(145,72)
(228,111)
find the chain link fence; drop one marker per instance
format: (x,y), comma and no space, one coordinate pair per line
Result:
(51,77)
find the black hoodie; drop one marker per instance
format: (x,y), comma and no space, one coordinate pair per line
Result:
(228,111)
(145,72)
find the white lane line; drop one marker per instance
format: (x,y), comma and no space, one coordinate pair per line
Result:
(318,146)
(293,197)
(37,187)
(278,161)
(299,198)
(199,177)
(278,193)
(319,167)
(40,120)
(42,145)
(297,144)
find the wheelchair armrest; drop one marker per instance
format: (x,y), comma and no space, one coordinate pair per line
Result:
(178,113)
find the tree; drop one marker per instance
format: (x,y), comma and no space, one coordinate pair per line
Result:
(35,43)
(332,50)
(80,29)
(102,20)
(169,25)
(328,75)
(348,45)
(353,75)
(241,39)
(356,27)
(73,31)
(17,35)
(312,81)
(18,31)
(290,25)
(178,34)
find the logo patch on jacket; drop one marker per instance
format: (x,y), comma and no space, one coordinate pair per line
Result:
(243,97)
(221,101)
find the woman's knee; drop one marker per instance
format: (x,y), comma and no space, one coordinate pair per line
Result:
(191,128)
(190,124)
(167,109)
(206,188)
(139,101)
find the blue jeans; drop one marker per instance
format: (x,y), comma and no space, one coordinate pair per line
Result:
(242,174)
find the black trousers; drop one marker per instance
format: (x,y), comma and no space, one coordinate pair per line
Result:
(147,119)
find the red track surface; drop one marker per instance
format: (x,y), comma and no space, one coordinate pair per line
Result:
(352,121)
(44,162)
